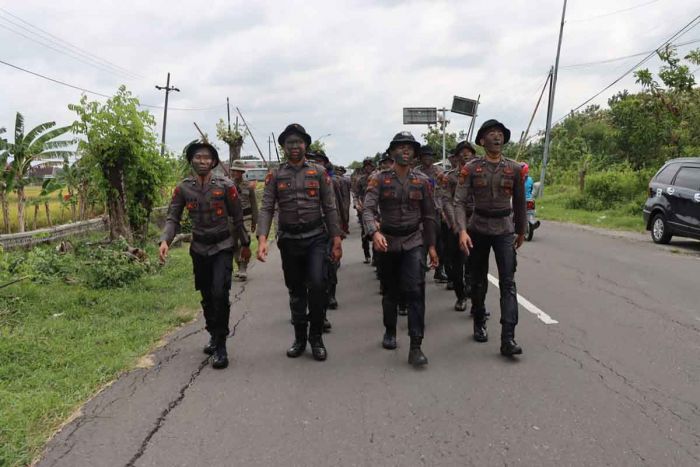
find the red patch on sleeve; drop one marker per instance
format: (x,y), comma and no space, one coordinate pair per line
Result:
(232,193)
(176,192)
(327,179)
(464,172)
(524,171)
(268,177)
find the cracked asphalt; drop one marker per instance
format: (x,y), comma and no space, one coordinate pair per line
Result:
(615,382)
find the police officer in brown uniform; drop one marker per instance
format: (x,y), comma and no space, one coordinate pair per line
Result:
(459,273)
(497,185)
(211,201)
(404,198)
(249,202)
(307,217)
(426,166)
(360,190)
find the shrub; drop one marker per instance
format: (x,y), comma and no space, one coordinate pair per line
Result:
(606,190)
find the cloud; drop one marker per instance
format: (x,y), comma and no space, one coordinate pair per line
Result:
(341,67)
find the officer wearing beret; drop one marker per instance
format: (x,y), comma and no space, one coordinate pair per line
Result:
(497,186)
(307,217)
(211,201)
(249,202)
(404,198)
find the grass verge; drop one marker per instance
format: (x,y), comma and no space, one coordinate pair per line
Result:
(59,343)
(553,206)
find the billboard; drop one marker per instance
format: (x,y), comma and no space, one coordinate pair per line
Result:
(419,115)
(464,106)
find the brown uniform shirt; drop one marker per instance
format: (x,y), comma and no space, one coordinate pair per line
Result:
(433,173)
(341,187)
(407,209)
(210,207)
(306,201)
(498,191)
(249,201)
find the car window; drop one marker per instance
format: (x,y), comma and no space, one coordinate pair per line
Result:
(688,177)
(666,174)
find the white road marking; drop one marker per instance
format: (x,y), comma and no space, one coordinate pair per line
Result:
(529,306)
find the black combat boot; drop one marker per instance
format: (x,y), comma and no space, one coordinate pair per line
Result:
(461,304)
(299,345)
(389,340)
(318,350)
(332,302)
(480,333)
(440,277)
(211,346)
(416,357)
(326,325)
(508,345)
(220,358)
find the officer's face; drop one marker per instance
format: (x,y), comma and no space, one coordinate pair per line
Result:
(387,164)
(465,154)
(455,161)
(493,140)
(294,147)
(203,161)
(237,175)
(426,160)
(403,153)
(369,168)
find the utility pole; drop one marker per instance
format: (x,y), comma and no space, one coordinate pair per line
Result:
(444,125)
(252,137)
(269,148)
(274,140)
(471,124)
(550,107)
(228,113)
(167,88)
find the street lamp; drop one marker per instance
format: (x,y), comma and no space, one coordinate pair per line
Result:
(320,138)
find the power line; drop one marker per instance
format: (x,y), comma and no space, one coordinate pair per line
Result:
(88,91)
(616,59)
(678,33)
(604,15)
(60,51)
(45,35)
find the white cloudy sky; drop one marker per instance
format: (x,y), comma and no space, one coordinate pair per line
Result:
(344,68)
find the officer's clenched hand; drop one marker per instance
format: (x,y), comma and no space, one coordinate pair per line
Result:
(245,253)
(379,242)
(163,251)
(252,228)
(434,260)
(337,249)
(519,240)
(465,242)
(262,248)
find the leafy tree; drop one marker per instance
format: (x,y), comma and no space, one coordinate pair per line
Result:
(433,138)
(317,146)
(40,141)
(232,137)
(120,142)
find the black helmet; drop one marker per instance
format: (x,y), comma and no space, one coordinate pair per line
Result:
(404,137)
(294,128)
(490,124)
(368,161)
(427,150)
(465,145)
(385,157)
(191,148)
(317,156)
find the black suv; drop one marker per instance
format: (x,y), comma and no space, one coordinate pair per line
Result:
(673,206)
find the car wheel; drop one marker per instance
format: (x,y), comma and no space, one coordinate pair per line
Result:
(529,233)
(659,229)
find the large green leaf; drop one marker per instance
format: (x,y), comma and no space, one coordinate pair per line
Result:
(19,129)
(38,130)
(36,146)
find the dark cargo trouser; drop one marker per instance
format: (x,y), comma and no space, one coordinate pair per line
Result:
(403,276)
(504,250)
(212,277)
(458,271)
(305,275)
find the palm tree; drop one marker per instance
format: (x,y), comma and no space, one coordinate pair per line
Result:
(38,142)
(6,182)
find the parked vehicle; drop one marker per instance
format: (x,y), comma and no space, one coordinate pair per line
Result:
(532,222)
(257,174)
(673,205)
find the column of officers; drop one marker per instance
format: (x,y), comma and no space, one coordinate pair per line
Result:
(410,211)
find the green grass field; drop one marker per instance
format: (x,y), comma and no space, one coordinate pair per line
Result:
(60,343)
(60,214)
(553,207)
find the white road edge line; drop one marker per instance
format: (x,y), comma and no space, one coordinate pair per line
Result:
(529,306)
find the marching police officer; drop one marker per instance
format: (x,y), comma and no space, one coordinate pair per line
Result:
(210,200)
(404,198)
(498,190)
(459,272)
(426,167)
(249,202)
(307,217)
(360,190)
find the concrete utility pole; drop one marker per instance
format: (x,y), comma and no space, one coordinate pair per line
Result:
(228,113)
(472,123)
(444,126)
(550,107)
(167,88)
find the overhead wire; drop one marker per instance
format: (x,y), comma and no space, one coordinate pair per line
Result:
(88,91)
(616,59)
(604,15)
(57,41)
(677,34)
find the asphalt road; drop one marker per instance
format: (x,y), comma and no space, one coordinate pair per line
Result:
(614,382)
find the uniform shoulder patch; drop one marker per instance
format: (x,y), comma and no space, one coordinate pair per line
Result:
(268,178)
(232,193)
(373,182)
(176,192)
